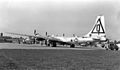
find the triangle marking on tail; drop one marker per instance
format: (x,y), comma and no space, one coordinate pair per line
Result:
(98,27)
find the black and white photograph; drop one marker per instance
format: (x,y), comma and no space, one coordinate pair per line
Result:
(59,34)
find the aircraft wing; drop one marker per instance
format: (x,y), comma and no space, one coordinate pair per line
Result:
(40,37)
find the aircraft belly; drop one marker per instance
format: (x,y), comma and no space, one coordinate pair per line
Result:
(85,40)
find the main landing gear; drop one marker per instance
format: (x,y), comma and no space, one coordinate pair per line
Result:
(72,46)
(54,44)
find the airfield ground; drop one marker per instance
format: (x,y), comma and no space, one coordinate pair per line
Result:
(34,57)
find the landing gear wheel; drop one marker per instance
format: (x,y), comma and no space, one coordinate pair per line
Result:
(111,48)
(116,49)
(106,48)
(103,46)
(54,45)
(48,44)
(72,46)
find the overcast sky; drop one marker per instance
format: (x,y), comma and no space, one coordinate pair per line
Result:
(59,16)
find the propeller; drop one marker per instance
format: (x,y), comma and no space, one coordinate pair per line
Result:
(35,32)
(46,34)
(1,34)
(73,35)
(63,34)
(46,41)
(34,39)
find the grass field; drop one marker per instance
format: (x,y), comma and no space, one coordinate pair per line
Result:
(51,59)
(56,59)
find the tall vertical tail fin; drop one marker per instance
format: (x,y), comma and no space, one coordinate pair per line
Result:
(98,29)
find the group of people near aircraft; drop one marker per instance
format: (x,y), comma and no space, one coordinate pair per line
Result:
(96,35)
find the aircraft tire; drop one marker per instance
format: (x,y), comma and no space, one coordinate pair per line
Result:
(116,47)
(54,45)
(103,46)
(72,46)
(111,48)
(106,48)
(48,44)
